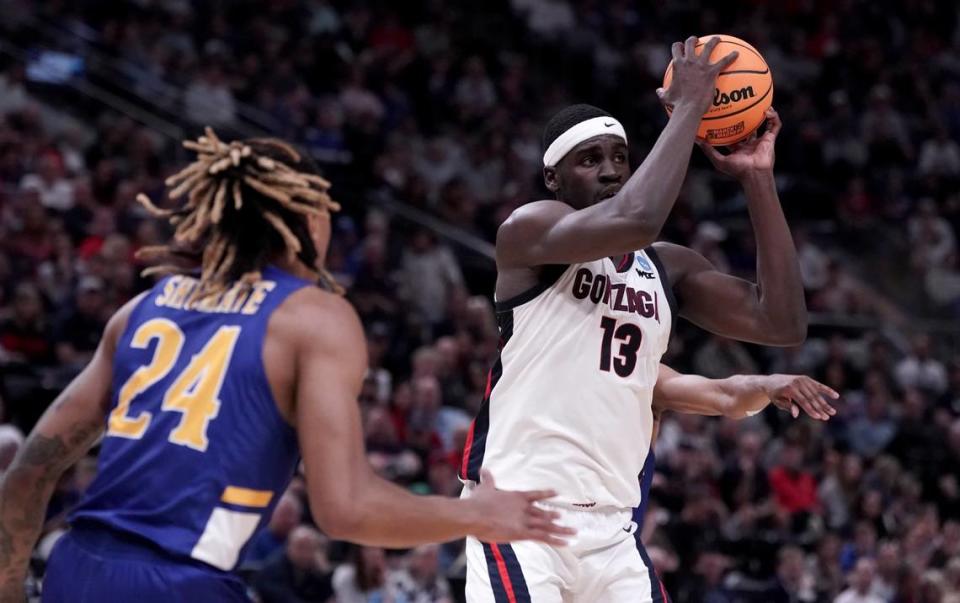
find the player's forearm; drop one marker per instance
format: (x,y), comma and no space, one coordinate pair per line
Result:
(389,516)
(780,286)
(24,495)
(649,195)
(742,395)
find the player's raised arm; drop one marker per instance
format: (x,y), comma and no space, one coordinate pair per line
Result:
(771,311)
(63,435)
(740,396)
(351,502)
(584,167)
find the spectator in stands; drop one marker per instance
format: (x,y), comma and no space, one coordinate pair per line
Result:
(794,582)
(33,243)
(862,546)
(420,581)
(208,99)
(861,585)
(931,237)
(921,370)
(940,155)
(428,272)
(744,485)
(50,183)
(25,334)
(286,516)
(794,488)
(474,94)
(428,407)
(889,563)
(78,330)
(362,578)
(870,434)
(303,573)
(825,567)
(838,489)
(388,455)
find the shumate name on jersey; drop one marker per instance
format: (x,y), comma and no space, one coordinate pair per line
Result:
(196,454)
(568,401)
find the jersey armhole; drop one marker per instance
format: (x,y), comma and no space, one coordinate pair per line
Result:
(547,278)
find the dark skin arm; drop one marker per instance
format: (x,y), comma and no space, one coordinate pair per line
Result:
(738,396)
(741,396)
(348,500)
(557,232)
(771,311)
(65,433)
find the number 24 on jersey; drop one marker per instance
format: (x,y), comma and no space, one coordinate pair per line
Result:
(194,393)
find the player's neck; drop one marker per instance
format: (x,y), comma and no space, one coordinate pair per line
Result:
(295,267)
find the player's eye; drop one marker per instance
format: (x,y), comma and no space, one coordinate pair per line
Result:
(620,157)
(588,161)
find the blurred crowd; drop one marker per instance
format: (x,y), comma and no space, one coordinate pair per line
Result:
(440,106)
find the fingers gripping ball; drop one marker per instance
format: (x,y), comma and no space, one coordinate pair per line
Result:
(743,94)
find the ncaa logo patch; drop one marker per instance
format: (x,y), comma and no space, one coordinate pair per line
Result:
(644,263)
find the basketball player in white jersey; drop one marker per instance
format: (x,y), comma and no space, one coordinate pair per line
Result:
(585,302)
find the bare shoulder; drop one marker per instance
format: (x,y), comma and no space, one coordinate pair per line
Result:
(316,317)
(524,227)
(534,213)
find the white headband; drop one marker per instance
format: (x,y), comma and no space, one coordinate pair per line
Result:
(580,132)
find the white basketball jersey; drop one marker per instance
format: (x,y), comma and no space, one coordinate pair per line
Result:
(568,403)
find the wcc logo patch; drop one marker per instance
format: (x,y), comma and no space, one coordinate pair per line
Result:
(645,270)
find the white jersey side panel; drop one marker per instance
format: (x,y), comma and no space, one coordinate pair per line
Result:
(571,406)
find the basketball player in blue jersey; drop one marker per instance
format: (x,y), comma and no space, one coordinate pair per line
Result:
(585,301)
(207,389)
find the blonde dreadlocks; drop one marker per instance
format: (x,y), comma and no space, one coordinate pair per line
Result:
(247,202)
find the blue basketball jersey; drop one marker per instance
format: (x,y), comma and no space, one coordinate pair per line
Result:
(196,453)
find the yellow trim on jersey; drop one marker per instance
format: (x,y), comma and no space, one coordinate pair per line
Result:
(246,497)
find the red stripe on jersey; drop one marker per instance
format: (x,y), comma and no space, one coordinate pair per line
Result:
(504,575)
(486,393)
(466,450)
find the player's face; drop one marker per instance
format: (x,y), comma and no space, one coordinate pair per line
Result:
(592,171)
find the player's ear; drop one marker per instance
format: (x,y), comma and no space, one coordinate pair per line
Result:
(550,179)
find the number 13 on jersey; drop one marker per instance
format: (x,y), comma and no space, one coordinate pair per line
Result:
(631,337)
(194,393)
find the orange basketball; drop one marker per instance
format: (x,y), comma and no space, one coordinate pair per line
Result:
(743,94)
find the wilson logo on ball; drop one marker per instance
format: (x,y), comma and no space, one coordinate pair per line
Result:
(725,98)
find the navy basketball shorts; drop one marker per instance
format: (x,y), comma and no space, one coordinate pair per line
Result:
(99,565)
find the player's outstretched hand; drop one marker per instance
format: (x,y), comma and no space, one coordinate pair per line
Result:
(755,154)
(694,76)
(506,516)
(794,393)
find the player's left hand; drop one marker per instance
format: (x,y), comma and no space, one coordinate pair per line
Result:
(755,154)
(794,393)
